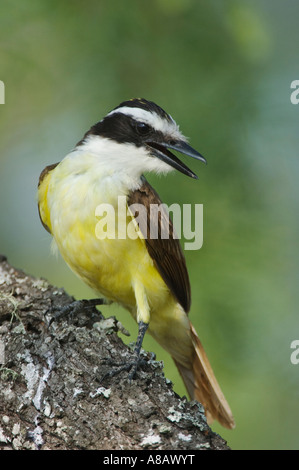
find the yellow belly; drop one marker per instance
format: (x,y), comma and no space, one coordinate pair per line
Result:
(119,269)
(111,266)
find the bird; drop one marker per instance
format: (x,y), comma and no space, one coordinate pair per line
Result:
(146,275)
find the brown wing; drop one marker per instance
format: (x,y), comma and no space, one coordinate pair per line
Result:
(166,253)
(42,177)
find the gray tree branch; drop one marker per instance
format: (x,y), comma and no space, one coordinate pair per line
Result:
(51,395)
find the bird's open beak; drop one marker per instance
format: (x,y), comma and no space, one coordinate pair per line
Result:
(160,150)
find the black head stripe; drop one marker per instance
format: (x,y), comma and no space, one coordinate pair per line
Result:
(121,127)
(118,127)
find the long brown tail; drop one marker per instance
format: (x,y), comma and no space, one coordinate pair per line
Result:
(202,385)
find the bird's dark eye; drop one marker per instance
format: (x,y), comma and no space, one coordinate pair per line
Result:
(142,128)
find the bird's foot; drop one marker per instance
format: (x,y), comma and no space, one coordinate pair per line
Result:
(134,364)
(75,307)
(130,366)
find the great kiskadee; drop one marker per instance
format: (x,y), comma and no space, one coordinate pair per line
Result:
(147,276)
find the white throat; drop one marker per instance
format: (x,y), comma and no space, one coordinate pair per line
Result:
(111,157)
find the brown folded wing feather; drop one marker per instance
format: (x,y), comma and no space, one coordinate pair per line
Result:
(166,253)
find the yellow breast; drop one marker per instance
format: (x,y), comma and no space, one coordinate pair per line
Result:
(118,268)
(68,202)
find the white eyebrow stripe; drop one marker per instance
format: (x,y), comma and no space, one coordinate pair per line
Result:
(136,113)
(158,123)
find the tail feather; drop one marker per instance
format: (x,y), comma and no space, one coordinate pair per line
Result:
(202,385)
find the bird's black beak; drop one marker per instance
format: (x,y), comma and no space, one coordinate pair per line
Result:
(160,150)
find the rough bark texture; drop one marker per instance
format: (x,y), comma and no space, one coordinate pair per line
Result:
(51,393)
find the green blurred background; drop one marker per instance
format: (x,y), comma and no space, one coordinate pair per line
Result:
(223,69)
